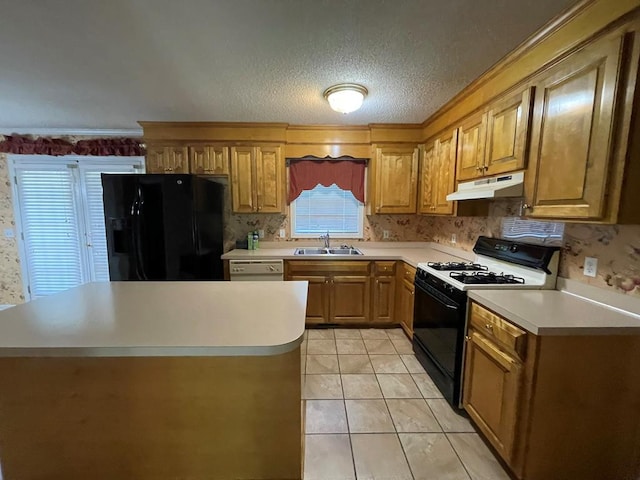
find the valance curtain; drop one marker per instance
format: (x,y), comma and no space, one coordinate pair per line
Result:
(307,174)
(26,145)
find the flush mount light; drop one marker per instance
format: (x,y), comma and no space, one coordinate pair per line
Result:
(345,97)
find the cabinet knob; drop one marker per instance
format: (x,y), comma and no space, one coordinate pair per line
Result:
(168,169)
(478,168)
(486,167)
(489,327)
(526,206)
(259,208)
(467,338)
(412,293)
(377,281)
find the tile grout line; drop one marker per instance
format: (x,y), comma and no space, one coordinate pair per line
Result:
(457,455)
(346,415)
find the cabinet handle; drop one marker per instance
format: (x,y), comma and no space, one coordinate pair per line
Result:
(489,327)
(478,168)
(168,169)
(412,293)
(377,281)
(259,208)
(526,206)
(485,167)
(467,338)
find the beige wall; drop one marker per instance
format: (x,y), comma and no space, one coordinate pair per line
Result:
(617,247)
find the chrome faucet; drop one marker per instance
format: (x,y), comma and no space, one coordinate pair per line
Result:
(326,239)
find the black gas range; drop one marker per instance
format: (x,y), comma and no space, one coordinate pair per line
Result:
(441,301)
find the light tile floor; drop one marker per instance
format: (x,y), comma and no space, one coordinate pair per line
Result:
(373,413)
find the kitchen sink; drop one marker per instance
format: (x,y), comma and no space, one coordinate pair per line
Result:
(327,251)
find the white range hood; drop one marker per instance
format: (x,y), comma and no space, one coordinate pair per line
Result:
(509,185)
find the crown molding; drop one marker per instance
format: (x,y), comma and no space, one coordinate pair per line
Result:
(65,132)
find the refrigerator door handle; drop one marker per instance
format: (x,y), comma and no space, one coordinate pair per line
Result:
(137,231)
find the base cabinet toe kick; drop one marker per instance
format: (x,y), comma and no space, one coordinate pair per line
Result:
(553,406)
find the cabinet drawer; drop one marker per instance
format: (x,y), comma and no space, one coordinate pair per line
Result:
(493,326)
(385,268)
(328,267)
(408,272)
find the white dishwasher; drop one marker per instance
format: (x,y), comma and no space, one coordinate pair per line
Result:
(256,270)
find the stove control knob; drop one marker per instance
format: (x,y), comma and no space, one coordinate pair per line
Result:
(514,248)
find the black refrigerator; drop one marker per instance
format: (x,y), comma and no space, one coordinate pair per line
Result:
(163,227)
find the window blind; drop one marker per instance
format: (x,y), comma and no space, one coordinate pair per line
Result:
(49,220)
(323,209)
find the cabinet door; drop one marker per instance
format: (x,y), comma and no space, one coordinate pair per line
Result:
(573,124)
(428,178)
(471,147)
(384,299)
(491,386)
(446,171)
(317,298)
(209,160)
(269,180)
(396,180)
(243,196)
(507,134)
(349,299)
(407,292)
(167,159)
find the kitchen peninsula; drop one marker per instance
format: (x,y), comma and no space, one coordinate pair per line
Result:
(154,380)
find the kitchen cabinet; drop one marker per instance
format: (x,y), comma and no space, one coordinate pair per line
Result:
(167,159)
(406,295)
(257,179)
(553,406)
(384,292)
(339,291)
(495,141)
(438,174)
(573,133)
(493,376)
(395,179)
(209,160)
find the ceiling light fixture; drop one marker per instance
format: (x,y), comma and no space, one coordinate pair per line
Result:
(345,97)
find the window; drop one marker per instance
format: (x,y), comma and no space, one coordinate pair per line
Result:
(324,209)
(59,213)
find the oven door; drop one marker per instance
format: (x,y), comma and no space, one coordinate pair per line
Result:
(438,336)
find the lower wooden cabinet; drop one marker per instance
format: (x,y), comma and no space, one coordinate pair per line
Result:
(554,406)
(492,381)
(347,292)
(384,292)
(405,299)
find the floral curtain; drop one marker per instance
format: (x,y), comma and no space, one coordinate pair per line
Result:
(306,174)
(26,145)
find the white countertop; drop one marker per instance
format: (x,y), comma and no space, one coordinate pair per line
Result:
(419,252)
(159,319)
(553,312)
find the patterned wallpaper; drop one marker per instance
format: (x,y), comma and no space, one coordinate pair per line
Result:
(10,279)
(617,247)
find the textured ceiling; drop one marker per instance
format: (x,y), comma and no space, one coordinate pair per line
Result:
(107,64)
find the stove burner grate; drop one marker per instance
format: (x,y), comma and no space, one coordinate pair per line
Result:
(456,266)
(486,278)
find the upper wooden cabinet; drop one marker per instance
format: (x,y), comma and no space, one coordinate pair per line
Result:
(167,159)
(209,160)
(257,179)
(471,147)
(495,141)
(395,182)
(438,168)
(508,122)
(573,133)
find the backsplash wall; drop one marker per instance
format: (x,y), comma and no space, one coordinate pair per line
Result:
(617,247)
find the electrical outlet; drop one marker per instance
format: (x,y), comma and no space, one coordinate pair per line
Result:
(454,239)
(282,233)
(260,233)
(590,267)
(9,233)
(385,234)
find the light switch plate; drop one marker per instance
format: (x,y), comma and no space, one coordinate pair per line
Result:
(282,233)
(260,233)
(454,239)
(590,266)
(385,234)
(9,233)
